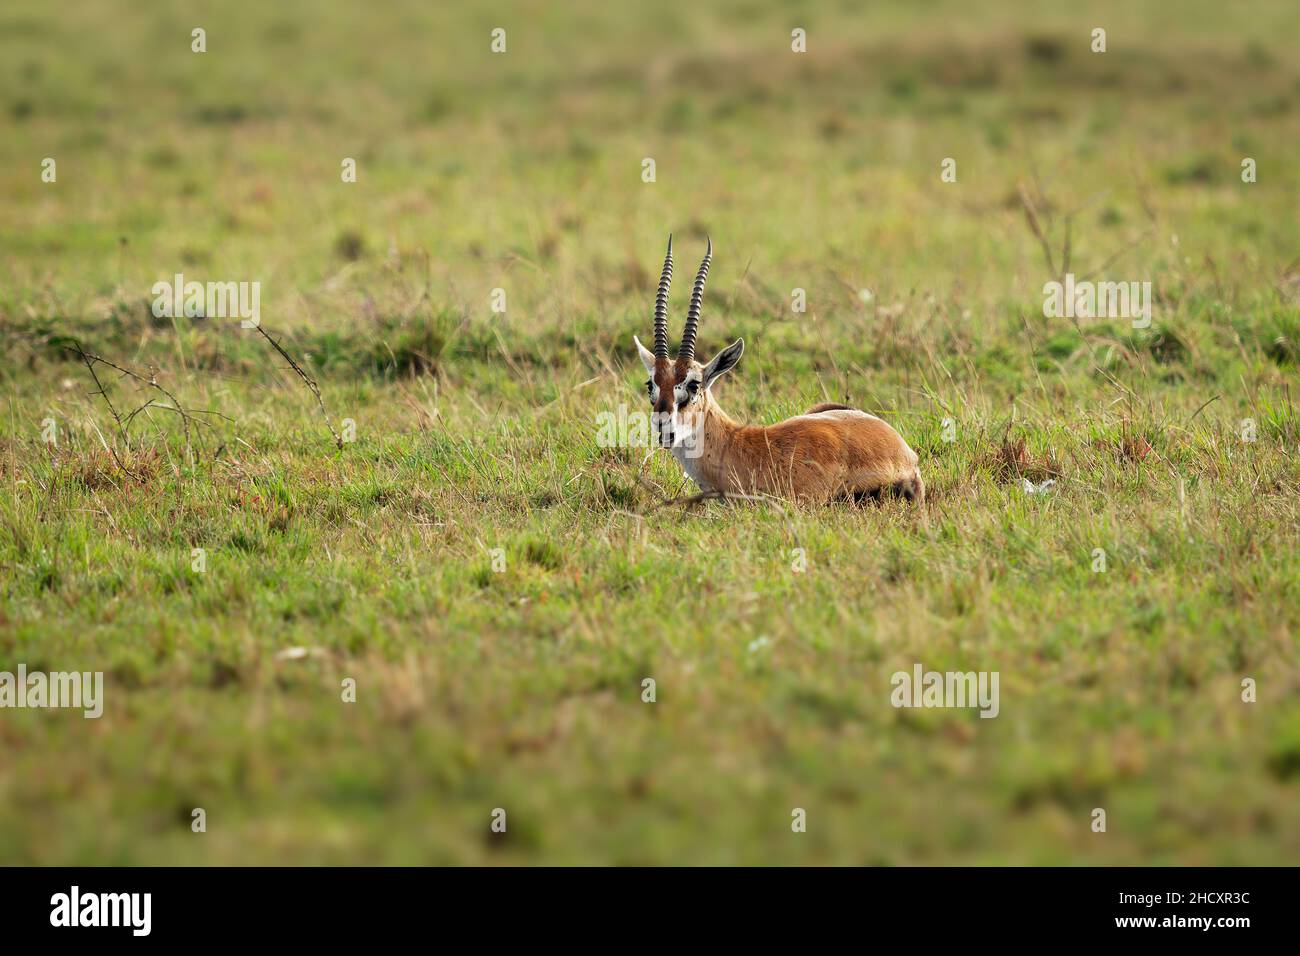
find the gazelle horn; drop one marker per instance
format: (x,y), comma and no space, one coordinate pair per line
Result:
(661,305)
(687,351)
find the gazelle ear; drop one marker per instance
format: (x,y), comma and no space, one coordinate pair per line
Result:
(647,357)
(724,361)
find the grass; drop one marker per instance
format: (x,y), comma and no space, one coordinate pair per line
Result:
(475,435)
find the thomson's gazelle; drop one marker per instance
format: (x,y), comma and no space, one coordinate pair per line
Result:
(832,451)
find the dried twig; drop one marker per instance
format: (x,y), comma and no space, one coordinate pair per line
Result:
(100,390)
(1031,216)
(690,501)
(768,500)
(1202,408)
(1065,249)
(121,429)
(124,423)
(308,380)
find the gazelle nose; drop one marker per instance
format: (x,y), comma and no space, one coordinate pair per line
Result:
(664,423)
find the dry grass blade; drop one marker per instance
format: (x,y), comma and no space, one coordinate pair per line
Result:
(308,381)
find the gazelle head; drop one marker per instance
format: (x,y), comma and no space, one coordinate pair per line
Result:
(679,389)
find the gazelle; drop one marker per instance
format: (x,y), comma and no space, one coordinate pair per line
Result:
(832,451)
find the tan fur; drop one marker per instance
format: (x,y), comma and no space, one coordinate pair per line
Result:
(833,451)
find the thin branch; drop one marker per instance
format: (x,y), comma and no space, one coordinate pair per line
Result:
(690,501)
(1065,249)
(1031,216)
(90,367)
(151,381)
(308,380)
(1202,408)
(90,359)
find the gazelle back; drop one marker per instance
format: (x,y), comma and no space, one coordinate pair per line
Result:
(831,451)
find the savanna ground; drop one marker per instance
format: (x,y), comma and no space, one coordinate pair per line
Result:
(522,689)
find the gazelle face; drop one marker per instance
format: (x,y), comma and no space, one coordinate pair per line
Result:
(676,394)
(678,390)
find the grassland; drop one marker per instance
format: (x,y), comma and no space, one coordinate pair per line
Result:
(476,431)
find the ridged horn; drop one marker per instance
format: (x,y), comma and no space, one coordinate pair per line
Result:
(661,305)
(687,350)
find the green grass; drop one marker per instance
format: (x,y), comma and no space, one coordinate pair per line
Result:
(475,431)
